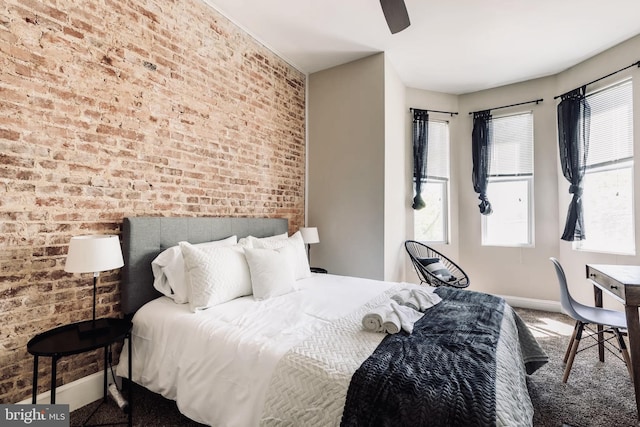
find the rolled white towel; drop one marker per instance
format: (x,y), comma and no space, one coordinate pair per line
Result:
(392,324)
(390,318)
(382,319)
(375,319)
(407,315)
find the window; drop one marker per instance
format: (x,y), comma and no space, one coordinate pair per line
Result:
(431,224)
(608,182)
(510,188)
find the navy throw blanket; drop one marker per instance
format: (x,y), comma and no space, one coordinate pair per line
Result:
(443,374)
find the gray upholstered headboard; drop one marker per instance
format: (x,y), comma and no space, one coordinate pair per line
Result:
(143,238)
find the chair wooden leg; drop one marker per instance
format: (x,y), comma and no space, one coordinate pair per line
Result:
(625,353)
(572,354)
(627,360)
(573,337)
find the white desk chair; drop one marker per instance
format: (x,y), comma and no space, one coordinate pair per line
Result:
(584,315)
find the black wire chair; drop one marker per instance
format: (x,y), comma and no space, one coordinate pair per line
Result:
(421,255)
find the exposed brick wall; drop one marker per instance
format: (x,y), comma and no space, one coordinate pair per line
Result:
(117,108)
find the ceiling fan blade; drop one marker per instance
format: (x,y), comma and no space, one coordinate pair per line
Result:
(395,12)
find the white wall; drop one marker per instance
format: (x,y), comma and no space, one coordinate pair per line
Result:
(353,174)
(526,272)
(346,179)
(522,272)
(396,185)
(357,169)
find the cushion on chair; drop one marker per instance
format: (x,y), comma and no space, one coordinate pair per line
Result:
(435,267)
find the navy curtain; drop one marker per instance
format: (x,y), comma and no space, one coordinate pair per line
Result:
(574,118)
(481,152)
(420,142)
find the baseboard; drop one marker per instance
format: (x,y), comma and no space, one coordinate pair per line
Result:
(535,304)
(76,394)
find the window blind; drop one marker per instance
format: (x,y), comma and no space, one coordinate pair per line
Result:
(611,133)
(438,150)
(512,145)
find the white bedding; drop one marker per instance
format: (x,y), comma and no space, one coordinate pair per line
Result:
(217,364)
(225,366)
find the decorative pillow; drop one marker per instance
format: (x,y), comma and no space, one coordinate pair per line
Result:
(435,267)
(245,242)
(168,270)
(215,274)
(301,268)
(271,271)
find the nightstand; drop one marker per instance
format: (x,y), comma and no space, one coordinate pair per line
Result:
(318,270)
(66,340)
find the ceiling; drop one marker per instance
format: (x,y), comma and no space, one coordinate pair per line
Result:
(453,47)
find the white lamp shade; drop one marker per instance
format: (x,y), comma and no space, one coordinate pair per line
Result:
(93,254)
(310,235)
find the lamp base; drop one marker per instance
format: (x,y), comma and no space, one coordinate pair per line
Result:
(93,327)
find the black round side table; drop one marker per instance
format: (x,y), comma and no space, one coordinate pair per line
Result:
(76,338)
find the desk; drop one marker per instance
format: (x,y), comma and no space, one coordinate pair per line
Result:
(623,283)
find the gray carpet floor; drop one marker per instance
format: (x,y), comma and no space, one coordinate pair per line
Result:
(597,394)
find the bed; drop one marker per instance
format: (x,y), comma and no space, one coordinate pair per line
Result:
(302,357)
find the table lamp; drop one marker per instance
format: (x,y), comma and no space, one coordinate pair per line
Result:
(309,236)
(93,254)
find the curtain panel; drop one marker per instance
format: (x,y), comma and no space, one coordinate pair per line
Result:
(574,118)
(481,152)
(420,151)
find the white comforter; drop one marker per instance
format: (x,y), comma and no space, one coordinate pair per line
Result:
(217,364)
(222,366)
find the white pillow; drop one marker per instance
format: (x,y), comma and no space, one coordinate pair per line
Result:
(301,268)
(215,274)
(168,270)
(271,271)
(246,241)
